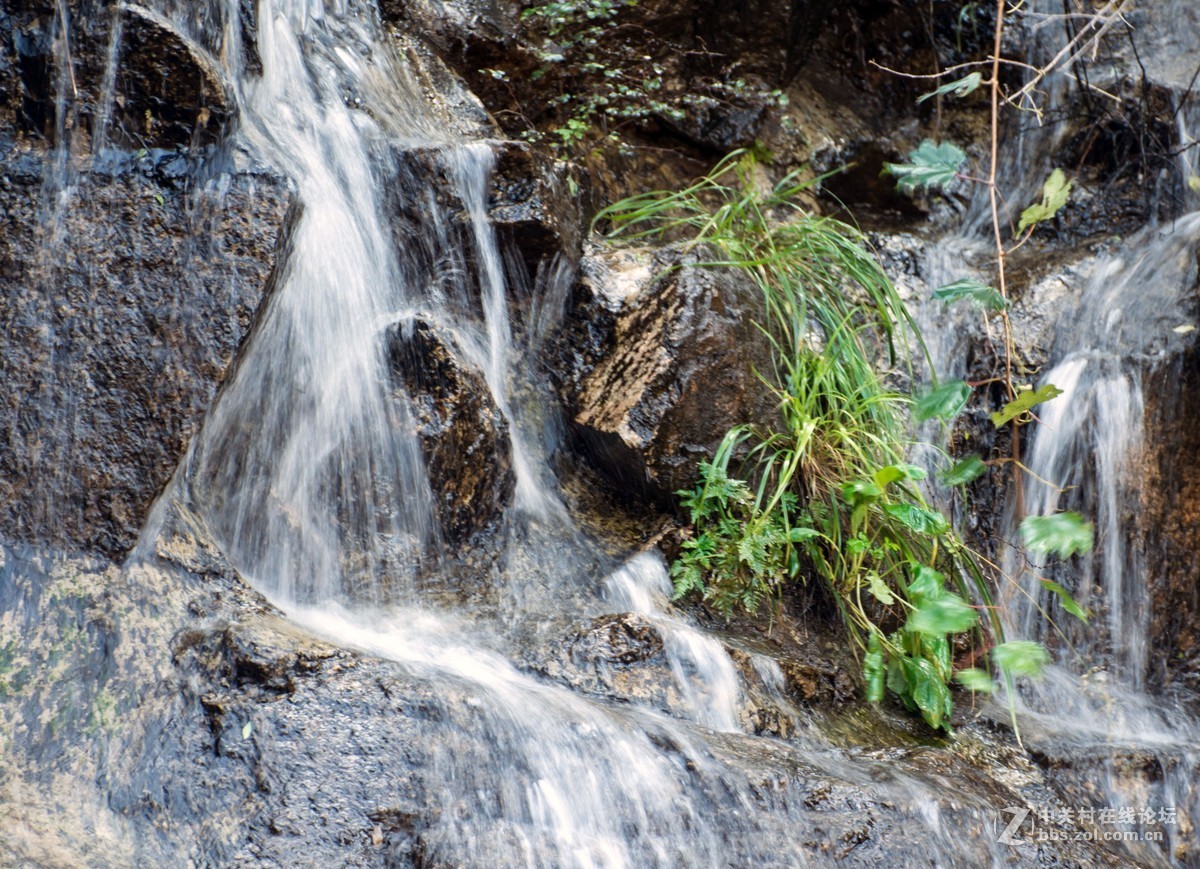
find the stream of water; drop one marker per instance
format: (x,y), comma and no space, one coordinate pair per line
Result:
(310,476)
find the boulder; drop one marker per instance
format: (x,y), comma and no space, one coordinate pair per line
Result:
(167,90)
(657,362)
(464,436)
(119,316)
(619,656)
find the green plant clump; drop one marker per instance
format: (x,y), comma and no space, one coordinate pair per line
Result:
(822,492)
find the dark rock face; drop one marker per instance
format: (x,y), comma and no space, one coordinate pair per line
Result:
(120,313)
(531,206)
(464,436)
(129,278)
(657,364)
(166,91)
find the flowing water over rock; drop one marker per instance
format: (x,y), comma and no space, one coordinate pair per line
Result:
(317,476)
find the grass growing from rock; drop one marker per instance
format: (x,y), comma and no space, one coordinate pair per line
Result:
(822,492)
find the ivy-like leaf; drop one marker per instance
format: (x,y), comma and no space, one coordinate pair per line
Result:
(858,491)
(891,473)
(879,589)
(1064,597)
(918,519)
(976,680)
(931,165)
(943,402)
(1062,534)
(1054,196)
(1025,402)
(964,471)
(946,614)
(1021,658)
(969,288)
(968,84)
(926,584)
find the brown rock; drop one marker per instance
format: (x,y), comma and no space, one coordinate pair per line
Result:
(659,363)
(464,437)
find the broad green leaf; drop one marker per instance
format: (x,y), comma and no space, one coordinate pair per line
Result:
(1025,402)
(861,490)
(879,589)
(1062,534)
(891,473)
(918,519)
(1064,597)
(943,402)
(978,292)
(962,87)
(975,679)
(1054,196)
(1021,658)
(931,165)
(964,471)
(926,583)
(937,650)
(946,614)
(927,690)
(873,670)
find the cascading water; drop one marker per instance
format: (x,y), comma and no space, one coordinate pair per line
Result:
(1134,314)
(309,476)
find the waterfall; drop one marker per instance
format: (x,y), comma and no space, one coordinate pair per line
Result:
(1086,451)
(311,476)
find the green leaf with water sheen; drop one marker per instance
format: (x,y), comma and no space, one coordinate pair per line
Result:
(946,614)
(927,690)
(918,519)
(930,165)
(964,471)
(968,288)
(926,583)
(1054,196)
(943,402)
(976,680)
(1064,598)
(873,670)
(857,491)
(1025,402)
(891,473)
(800,535)
(1061,534)
(1021,658)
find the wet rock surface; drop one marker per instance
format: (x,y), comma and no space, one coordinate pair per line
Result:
(619,656)
(124,301)
(658,363)
(464,436)
(182,718)
(169,92)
